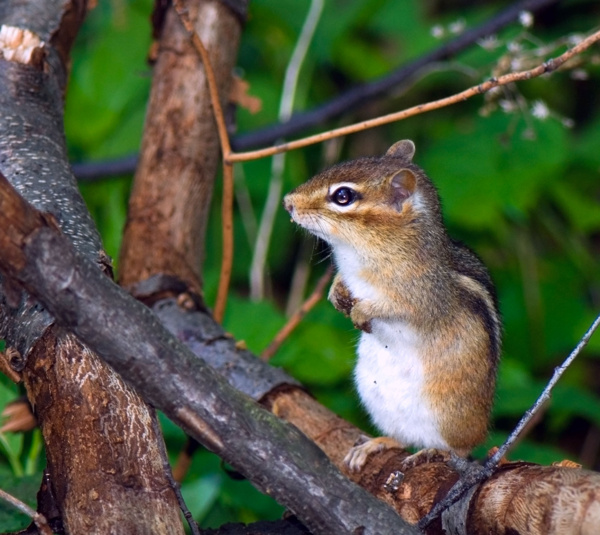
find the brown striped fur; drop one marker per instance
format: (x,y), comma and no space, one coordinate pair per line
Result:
(419,275)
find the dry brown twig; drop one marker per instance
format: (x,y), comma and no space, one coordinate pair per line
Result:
(297,316)
(227,201)
(545,68)
(230,157)
(5,367)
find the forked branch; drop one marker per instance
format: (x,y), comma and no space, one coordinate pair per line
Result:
(464,484)
(545,68)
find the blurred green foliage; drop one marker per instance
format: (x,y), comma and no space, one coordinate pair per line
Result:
(517,172)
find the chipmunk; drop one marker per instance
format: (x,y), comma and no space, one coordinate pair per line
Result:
(426,306)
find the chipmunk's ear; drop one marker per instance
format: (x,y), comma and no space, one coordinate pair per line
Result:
(402,149)
(403,185)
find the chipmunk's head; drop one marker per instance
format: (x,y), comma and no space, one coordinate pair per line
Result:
(368,201)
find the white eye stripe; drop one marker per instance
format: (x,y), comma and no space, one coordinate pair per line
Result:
(342,208)
(339,185)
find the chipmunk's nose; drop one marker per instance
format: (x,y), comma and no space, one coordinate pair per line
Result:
(288,204)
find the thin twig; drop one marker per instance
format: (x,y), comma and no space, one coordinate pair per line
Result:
(181,10)
(288,94)
(227,203)
(359,96)
(296,318)
(546,67)
(487,470)
(38,518)
(92,171)
(227,255)
(545,395)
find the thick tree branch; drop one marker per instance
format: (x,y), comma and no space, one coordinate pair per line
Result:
(219,118)
(180,149)
(275,456)
(103,461)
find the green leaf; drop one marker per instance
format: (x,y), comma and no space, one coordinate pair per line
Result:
(575,400)
(318,354)
(581,209)
(110,81)
(516,391)
(200,494)
(11,444)
(107,203)
(23,488)
(254,323)
(483,173)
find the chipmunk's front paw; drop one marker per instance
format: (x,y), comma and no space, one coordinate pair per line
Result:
(360,319)
(340,297)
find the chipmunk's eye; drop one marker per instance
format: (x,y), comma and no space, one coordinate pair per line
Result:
(344,196)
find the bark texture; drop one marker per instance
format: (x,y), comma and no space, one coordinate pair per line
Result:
(103,460)
(180,149)
(519,498)
(274,455)
(104,464)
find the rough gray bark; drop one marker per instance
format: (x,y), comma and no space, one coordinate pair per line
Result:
(32,145)
(207,339)
(104,465)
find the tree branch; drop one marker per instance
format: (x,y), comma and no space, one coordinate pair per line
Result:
(491,464)
(103,463)
(92,171)
(276,457)
(227,200)
(39,520)
(359,96)
(180,149)
(547,67)
(302,121)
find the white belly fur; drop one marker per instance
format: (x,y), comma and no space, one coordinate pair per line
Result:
(389,379)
